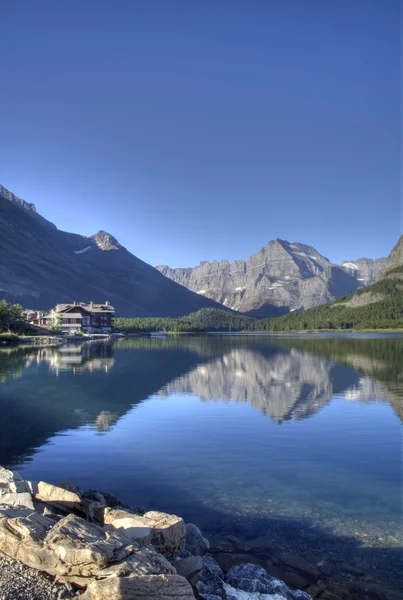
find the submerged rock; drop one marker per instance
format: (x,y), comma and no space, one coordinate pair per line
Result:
(196,544)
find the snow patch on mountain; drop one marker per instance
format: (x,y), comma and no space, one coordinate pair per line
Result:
(82,251)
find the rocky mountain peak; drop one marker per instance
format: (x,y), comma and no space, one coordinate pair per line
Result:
(105,241)
(27,206)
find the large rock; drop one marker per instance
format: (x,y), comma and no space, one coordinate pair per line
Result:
(83,548)
(15,499)
(189,567)
(168,532)
(302,566)
(56,496)
(196,544)
(211,578)
(149,587)
(227,561)
(22,536)
(133,526)
(252,578)
(144,561)
(11,482)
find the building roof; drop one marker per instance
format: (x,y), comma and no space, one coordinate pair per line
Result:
(91,307)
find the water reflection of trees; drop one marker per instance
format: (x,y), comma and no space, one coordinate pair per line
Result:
(285,378)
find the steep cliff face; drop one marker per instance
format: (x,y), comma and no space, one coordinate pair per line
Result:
(364,270)
(41,266)
(283,276)
(394,261)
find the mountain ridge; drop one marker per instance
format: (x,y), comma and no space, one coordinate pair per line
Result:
(281,277)
(41,266)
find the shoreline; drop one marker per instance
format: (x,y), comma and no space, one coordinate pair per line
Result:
(147,548)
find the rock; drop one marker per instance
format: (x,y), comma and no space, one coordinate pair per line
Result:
(22,535)
(253,578)
(227,561)
(305,568)
(84,548)
(168,532)
(189,567)
(56,496)
(196,544)
(294,580)
(326,595)
(222,544)
(15,499)
(324,567)
(133,526)
(144,561)
(259,545)
(211,577)
(11,482)
(148,587)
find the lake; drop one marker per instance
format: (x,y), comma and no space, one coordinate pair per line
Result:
(298,437)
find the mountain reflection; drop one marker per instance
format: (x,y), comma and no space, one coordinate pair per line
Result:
(45,391)
(283,385)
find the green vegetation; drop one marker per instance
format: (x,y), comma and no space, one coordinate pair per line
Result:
(11,317)
(384,313)
(206,319)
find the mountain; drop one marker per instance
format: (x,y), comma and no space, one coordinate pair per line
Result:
(394,262)
(378,306)
(41,266)
(364,270)
(282,277)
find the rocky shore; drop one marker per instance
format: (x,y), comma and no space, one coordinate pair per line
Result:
(62,542)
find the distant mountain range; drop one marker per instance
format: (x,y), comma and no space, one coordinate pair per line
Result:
(41,266)
(282,277)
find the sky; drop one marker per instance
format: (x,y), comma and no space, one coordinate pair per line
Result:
(201,130)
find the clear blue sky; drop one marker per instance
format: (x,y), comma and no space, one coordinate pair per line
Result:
(200,130)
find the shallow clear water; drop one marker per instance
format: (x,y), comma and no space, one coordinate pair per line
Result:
(298,437)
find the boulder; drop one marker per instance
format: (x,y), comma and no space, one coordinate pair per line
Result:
(144,561)
(22,535)
(168,532)
(227,561)
(83,548)
(259,545)
(55,496)
(189,567)
(149,587)
(222,544)
(302,566)
(133,526)
(252,578)
(15,499)
(196,544)
(211,578)
(11,482)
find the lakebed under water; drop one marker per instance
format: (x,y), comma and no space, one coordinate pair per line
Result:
(296,437)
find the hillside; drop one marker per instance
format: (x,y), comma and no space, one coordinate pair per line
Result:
(282,277)
(41,266)
(380,306)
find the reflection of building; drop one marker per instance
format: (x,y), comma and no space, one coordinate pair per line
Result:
(78,316)
(78,357)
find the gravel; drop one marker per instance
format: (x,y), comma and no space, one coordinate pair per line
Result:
(18,582)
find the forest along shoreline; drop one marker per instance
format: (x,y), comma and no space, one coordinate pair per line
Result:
(60,542)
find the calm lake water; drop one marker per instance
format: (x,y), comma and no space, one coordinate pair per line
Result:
(296,437)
